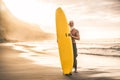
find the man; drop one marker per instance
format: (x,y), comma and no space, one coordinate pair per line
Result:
(75,36)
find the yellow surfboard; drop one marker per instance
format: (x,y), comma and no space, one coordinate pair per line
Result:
(64,42)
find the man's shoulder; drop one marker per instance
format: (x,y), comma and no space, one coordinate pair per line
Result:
(75,29)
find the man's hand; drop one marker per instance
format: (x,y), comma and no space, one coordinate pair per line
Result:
(69,34)
(75,37)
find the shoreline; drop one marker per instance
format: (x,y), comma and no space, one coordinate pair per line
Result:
(37,65)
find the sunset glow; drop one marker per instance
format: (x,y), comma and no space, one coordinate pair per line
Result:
(92,23)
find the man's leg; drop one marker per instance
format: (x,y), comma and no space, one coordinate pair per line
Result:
(75,64)
(75,57)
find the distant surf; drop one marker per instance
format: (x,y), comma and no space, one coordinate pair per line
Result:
(100,48)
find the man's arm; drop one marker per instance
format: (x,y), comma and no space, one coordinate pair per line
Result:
(77,36)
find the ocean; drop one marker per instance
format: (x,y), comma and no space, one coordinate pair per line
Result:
(100,48)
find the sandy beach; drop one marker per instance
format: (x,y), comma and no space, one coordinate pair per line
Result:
(40,61)
(98,22)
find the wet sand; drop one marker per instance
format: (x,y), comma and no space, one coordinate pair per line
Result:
(25,62)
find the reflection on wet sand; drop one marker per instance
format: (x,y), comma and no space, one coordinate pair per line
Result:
(41,61)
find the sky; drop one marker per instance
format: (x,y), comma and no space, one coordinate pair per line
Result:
(93,18)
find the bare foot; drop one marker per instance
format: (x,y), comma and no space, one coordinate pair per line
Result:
(75,71)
